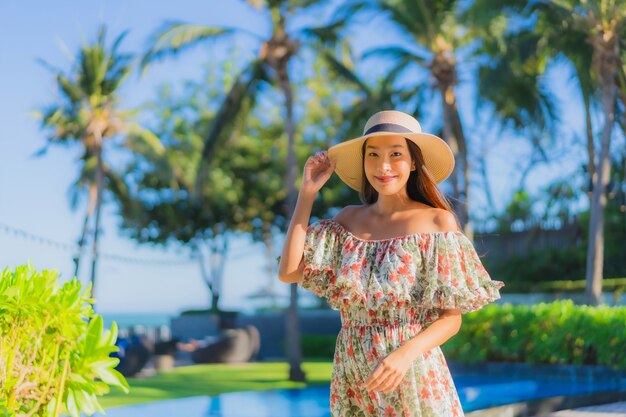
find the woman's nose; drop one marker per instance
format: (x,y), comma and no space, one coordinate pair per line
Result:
(384,164)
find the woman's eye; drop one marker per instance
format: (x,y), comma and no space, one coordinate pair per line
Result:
(397,154)
(371,154)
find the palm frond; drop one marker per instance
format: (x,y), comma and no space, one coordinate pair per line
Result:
(344,72)
(144,142)
(419,19)
(397,53)
(330,33)
(513,84)
(325,35)
(117,42)
(175,37)
(244,88)
(71,90)
(387,83)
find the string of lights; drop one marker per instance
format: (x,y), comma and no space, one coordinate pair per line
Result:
(23,234)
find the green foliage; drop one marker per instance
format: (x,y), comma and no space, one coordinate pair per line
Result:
(616,285)
(318,346)
(87,106)
(54,354)
(543,265)
(547,333)
(535,266)
(242,187)
(554,206)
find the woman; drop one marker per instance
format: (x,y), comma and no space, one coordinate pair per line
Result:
(397,268)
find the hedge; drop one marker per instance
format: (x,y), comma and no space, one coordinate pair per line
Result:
(547,333)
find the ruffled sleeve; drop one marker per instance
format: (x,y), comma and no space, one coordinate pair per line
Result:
(454,277)
(322,253)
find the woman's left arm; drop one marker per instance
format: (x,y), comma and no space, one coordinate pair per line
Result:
(391,370)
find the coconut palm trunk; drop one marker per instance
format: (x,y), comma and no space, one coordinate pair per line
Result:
(96,233)
(444,71)
(93,194)
(462,160)
(294,350)
(268,241)
(218,262)
(606,57)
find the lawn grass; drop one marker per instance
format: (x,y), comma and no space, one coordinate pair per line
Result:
(213,379)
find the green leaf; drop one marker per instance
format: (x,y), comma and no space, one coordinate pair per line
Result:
(114,378)
(94,333)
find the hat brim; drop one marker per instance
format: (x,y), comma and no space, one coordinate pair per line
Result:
(438,157)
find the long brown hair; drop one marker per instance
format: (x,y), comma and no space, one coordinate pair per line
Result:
(420,186)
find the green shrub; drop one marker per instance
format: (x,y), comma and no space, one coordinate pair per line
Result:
(548,333)
(538,266)
(318,346)
(615,285)
(54,354)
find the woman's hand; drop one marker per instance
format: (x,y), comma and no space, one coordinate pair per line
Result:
(317,170)
(389,372)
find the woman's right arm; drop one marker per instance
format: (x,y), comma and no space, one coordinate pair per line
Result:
(317,170)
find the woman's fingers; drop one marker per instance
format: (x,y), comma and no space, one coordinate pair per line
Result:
(391,384)
(383,379)
(321,157)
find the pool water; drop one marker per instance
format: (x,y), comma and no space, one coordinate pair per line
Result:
(475,391)
(479,391)
(308,402)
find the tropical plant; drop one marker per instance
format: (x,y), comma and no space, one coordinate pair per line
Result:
(435,34)
(445,39)
(88,113)
(270,66)
(243,191)
(54,354)
(591,35)
(365,99)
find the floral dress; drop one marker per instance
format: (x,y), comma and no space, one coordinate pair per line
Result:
(387,291)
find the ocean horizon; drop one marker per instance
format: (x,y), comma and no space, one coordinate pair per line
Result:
(147,320)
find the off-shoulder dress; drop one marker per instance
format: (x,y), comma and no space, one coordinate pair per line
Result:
(387,291)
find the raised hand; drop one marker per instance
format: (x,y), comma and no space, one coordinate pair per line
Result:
(317,170)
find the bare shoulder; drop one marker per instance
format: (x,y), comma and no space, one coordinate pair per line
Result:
(445,220)
(347,213)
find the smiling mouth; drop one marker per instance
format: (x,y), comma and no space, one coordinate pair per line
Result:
(386,179)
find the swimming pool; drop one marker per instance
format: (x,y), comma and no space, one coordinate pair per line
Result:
(477,391)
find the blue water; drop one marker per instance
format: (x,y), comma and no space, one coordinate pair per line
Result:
(147,320)
(475,391)
(479,391)
(308,402)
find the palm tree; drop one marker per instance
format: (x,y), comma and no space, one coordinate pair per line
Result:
(442,37)
(437,34)
(599,29)
(271,66)
(87,113)
(369,99)
(510,87)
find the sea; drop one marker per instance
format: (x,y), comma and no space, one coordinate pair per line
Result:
(128,320)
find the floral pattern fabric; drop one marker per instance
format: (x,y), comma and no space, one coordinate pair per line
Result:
(388,291)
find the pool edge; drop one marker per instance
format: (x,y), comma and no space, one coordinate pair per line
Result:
(532,408)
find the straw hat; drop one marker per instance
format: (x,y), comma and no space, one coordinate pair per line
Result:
(438,157)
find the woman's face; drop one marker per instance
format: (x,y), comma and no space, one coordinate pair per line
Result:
(387,163)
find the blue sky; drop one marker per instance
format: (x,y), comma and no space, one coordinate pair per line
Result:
(34,191)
